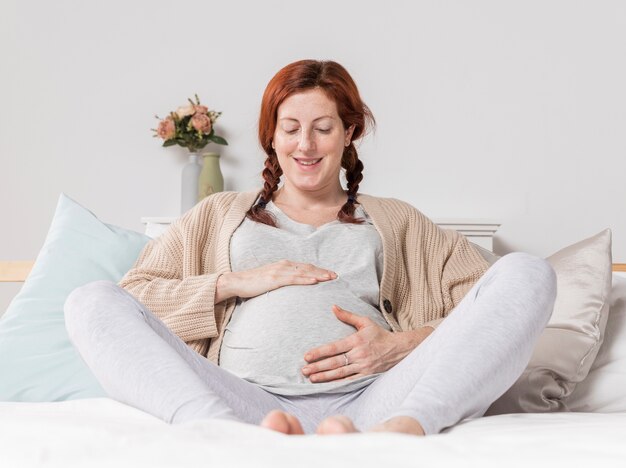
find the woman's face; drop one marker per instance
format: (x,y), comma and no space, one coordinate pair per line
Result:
(309,141)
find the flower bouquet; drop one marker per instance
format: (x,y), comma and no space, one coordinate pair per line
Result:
(190,126)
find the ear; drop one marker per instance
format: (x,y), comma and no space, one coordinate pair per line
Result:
(349,133)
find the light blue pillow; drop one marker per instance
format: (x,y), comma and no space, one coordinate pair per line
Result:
(37,360)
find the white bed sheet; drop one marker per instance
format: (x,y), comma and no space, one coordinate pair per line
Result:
(104,433)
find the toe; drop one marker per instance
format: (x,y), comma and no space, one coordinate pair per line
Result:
(336,425)
(294,425)
(277,421)
(402,424)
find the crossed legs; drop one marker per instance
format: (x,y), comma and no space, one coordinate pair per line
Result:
(472,358)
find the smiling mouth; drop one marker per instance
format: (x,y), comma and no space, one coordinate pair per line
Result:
(308,162)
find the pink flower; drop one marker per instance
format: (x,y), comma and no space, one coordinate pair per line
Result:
(167,129)
(199,109)
(202,123)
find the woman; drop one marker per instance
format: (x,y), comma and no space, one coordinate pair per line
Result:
(314,305)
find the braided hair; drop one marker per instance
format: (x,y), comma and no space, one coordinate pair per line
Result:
(354,175)
(271,174)
(336,82)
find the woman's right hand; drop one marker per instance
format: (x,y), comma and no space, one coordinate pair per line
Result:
(254,282)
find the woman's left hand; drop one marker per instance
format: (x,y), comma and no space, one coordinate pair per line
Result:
(370,350)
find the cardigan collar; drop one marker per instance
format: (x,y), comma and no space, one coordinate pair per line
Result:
(380,218)
(372,206)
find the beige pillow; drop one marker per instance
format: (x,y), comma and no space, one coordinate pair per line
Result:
(568,346)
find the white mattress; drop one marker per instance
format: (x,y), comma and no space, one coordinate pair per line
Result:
(102,432)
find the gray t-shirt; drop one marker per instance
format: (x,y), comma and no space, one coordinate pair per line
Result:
(268,335)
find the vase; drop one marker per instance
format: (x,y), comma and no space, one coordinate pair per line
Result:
(211,179)
(189,183)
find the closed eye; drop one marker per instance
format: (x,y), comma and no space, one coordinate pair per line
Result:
(321,130)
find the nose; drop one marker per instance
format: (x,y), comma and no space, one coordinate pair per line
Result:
(307,143)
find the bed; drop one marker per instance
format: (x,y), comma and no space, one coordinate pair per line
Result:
(52,412)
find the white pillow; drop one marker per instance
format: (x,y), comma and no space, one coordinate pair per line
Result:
(604,389)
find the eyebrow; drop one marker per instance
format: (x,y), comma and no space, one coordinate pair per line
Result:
(314,120)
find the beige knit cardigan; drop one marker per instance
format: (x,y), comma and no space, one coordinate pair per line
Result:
(426,270)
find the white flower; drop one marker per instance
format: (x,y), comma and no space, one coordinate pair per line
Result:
(184,111)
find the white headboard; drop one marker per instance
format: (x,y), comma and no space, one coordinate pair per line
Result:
(479,231)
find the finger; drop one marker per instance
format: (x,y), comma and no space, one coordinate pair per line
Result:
(299,278)
(330,363)
(357,321)
(309,268)
(339,373)
(295,279)
(308,271)
(286,274)
(327,350)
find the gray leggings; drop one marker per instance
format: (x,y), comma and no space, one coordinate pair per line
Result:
(472,358)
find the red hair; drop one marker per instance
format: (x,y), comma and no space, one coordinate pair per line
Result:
(339,86)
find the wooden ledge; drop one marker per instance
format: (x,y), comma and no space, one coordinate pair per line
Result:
(18,271)
(15,271)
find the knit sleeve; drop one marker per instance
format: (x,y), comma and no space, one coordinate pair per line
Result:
(185,303)
(461,269)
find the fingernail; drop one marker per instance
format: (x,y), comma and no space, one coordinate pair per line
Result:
(307,357)
(306,370)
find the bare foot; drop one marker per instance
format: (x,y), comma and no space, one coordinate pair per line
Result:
(403,424)
(282,422)
(338,424)
(288,424)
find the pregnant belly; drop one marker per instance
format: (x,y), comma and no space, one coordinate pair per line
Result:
(267,336)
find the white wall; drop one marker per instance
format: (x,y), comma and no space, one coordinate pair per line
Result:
(490,109)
